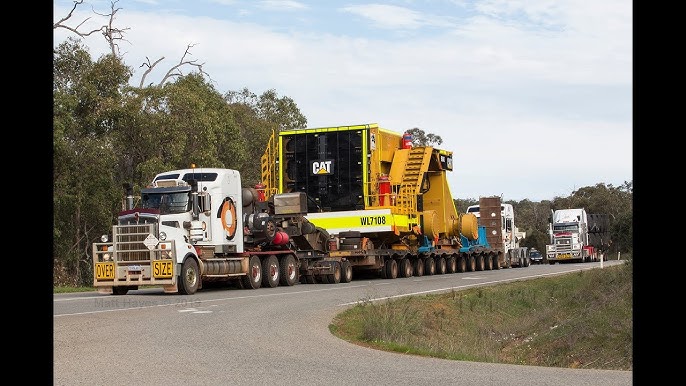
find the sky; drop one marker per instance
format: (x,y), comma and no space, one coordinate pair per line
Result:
(533,97)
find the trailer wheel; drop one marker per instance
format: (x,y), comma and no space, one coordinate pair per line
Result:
(488,262)
(405,267)
(346,271)
(419,267)
(494,258)
(390,269)
(253,279)
(471,263)
(270,271)
(335,277)
(430,266)
(462,263)
(480,264)
(289,271)
(441,266)
(451,264)
(189,279)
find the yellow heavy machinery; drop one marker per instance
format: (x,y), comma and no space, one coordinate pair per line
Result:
(385,203)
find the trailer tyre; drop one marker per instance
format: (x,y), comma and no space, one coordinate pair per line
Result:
(441,266)
(488,262)
(462,263)
(289,271)
(270,271)
(405,267)
(391,269)
(335,277)
(430,266)
(189,279)
(496,263)
(253,279)
(451,264)
(346,271)
(419,267)
(471,263)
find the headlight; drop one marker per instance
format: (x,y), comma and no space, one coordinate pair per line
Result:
(163,236)
(104,238)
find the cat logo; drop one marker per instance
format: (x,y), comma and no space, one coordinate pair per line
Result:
(322,167)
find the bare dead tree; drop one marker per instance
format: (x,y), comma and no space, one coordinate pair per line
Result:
(111,33)
(60,24)
(175,71)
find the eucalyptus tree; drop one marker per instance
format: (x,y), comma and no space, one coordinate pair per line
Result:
(86,111)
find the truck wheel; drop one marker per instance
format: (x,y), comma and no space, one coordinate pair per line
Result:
(419,267)
(429,266)
(189,279)
(289,271)
(253,279)
(346,271)
(405,267)
(441,266)
(335,277)
(120,290)
(270,271)
(451,264)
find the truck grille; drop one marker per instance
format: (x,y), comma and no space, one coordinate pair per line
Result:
(129,242)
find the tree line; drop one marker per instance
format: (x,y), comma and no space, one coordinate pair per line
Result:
(107,133)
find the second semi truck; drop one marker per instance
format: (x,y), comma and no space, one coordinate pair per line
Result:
(576,236)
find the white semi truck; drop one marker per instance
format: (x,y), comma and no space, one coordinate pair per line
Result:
(576,236)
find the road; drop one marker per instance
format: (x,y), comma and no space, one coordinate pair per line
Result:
(275,336)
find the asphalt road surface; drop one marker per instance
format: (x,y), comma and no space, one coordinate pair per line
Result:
(272,336)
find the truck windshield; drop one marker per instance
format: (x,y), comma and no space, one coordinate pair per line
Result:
(567,226)
(167,203)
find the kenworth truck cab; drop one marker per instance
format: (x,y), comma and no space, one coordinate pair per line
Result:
(198,225)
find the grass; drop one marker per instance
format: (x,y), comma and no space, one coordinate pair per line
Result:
(66,289)
(579,320)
